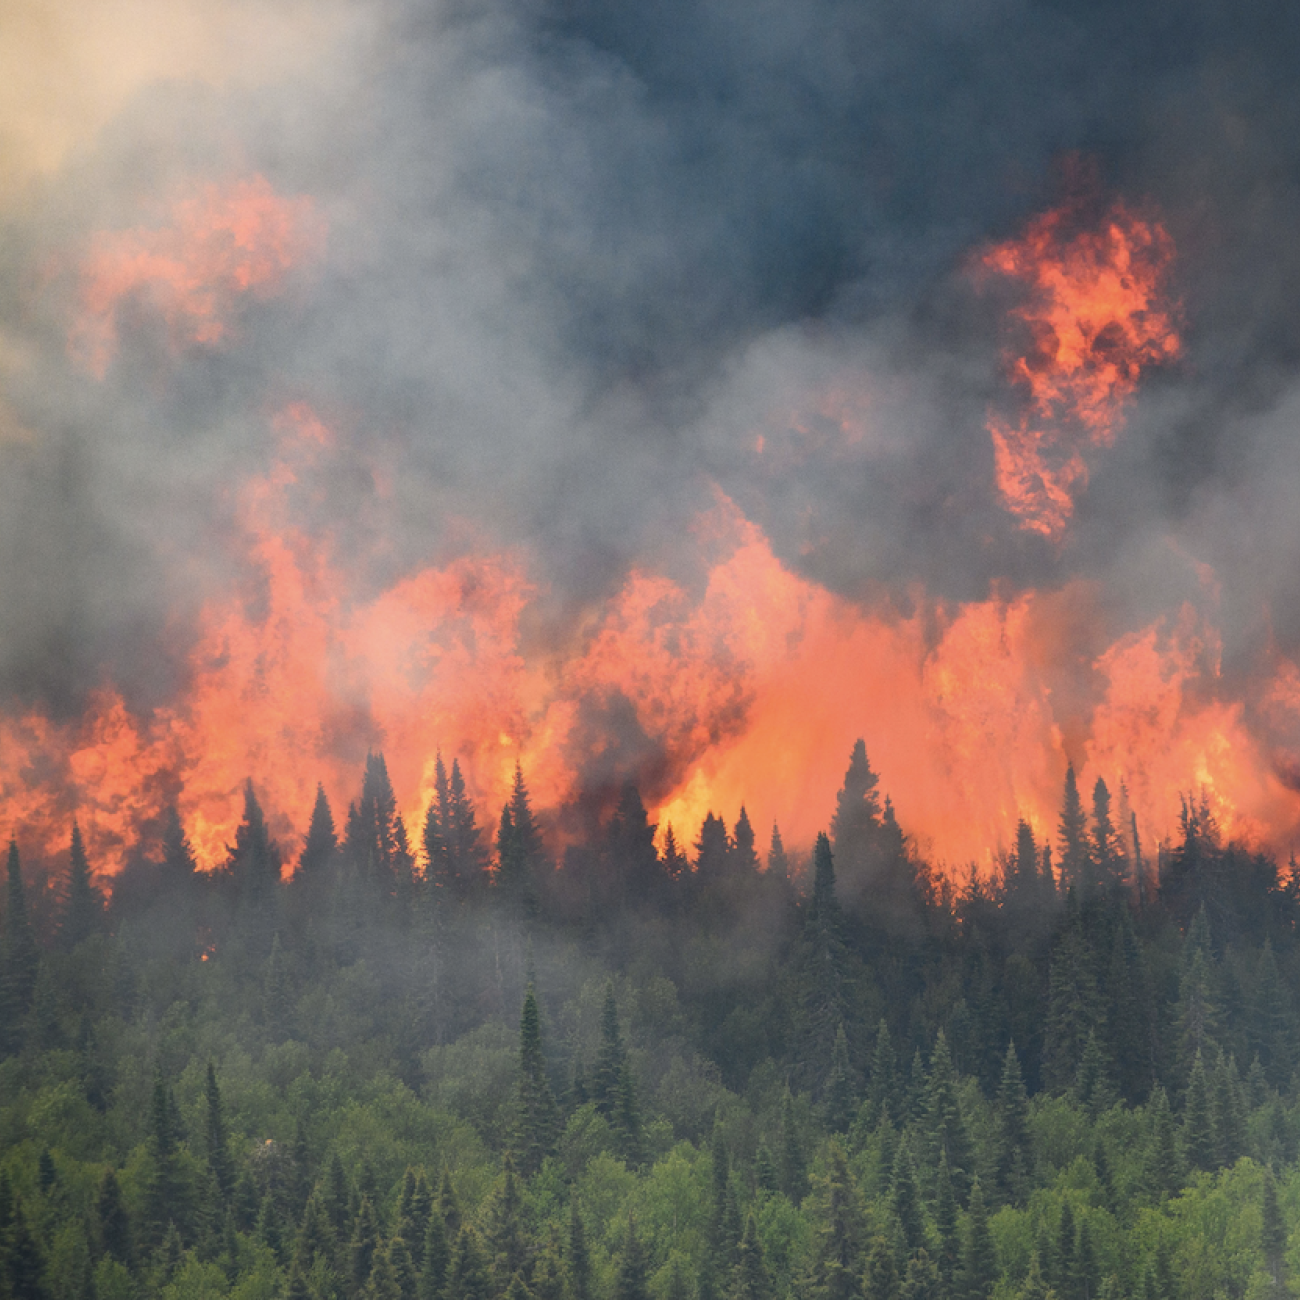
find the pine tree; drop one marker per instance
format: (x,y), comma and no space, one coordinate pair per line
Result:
(882,1271)
(712,852)
(904,1201)
(19,959)
(1075,857)
(675,866)
(467,1278)
(630,849)
(436,837)
(579,1261)
(84,909)
(1107,853)
(1198,1131)
(1012,1150)
(855,826)
(793,1173)
(437,1258)
(744,858)
(505,1231)
(630,1283)
(113,1227)
(945,1124)
(778,863)
(217,1138)
(611,1058)
(538,1117)
(467,859)
(22,1258)
(1273,1238)
(838,1242)
(1164,1175)
(840,1088)
(979,1260)
(319,846)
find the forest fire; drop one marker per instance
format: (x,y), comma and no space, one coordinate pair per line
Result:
(1096,316)
(748,688)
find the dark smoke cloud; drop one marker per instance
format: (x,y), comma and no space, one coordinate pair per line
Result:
(581,254)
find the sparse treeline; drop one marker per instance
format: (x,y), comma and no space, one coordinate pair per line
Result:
(434,1064)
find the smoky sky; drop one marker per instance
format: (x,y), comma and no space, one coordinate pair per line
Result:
(580,255)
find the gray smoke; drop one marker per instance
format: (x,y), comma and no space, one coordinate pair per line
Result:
(582,254)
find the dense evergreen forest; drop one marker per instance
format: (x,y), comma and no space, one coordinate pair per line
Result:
(443,1066)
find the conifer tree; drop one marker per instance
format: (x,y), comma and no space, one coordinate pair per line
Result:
(23,1262)
(1227,1119)
(1092,1081)
(610,1059)
(675,866)
(217,1138)
(744,858)
(505,1225)
(579,1260)
(630,1283)
(1272,1023)
(166,1191)
(1012,1151)
(855,826)
(837,1263)
(1198,1131)
(979,1260)
(882,1271)
(1073,835)
(84,908)
(468,1278)
(945,1124)
(1273,1238)
(437,1258)
(448,1205)
(113,1227)
(627,1119)
(335,1195)
(363,1245)
(778,863)
(840,1087)
(1107,846)
(319,846)
(921,1280)
(538,1116)
(435,838)
(712,852)
(1164,1175)
(793,1173)
(904,1200)
(467,860)
(945,1224)
(630,849)
(19,958)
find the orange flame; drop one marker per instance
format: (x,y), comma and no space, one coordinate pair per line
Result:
(1096,317)
(217,246)
(751,689)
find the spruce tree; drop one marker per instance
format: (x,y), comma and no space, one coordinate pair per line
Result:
(217,1139)
(840,1088)
(630,1283)
(113,1227)
(1012,1149)
(979,1260)
(579,1260)
(319,846)
(712,852)
(467,1277)
(903,1198)
(611,1058)
(538,1117)
(881,1272)
(19,959)
(945,1124)
(1273,1238)
(84,907)
(1164,1175)
(1075,867)
(1107,853)
(630,849)
(794,1166)
(435,837)
(467,859)
(778,863)
(437,1258)
(744,858)
(1198,1130)
(855,825)
(505,1227)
